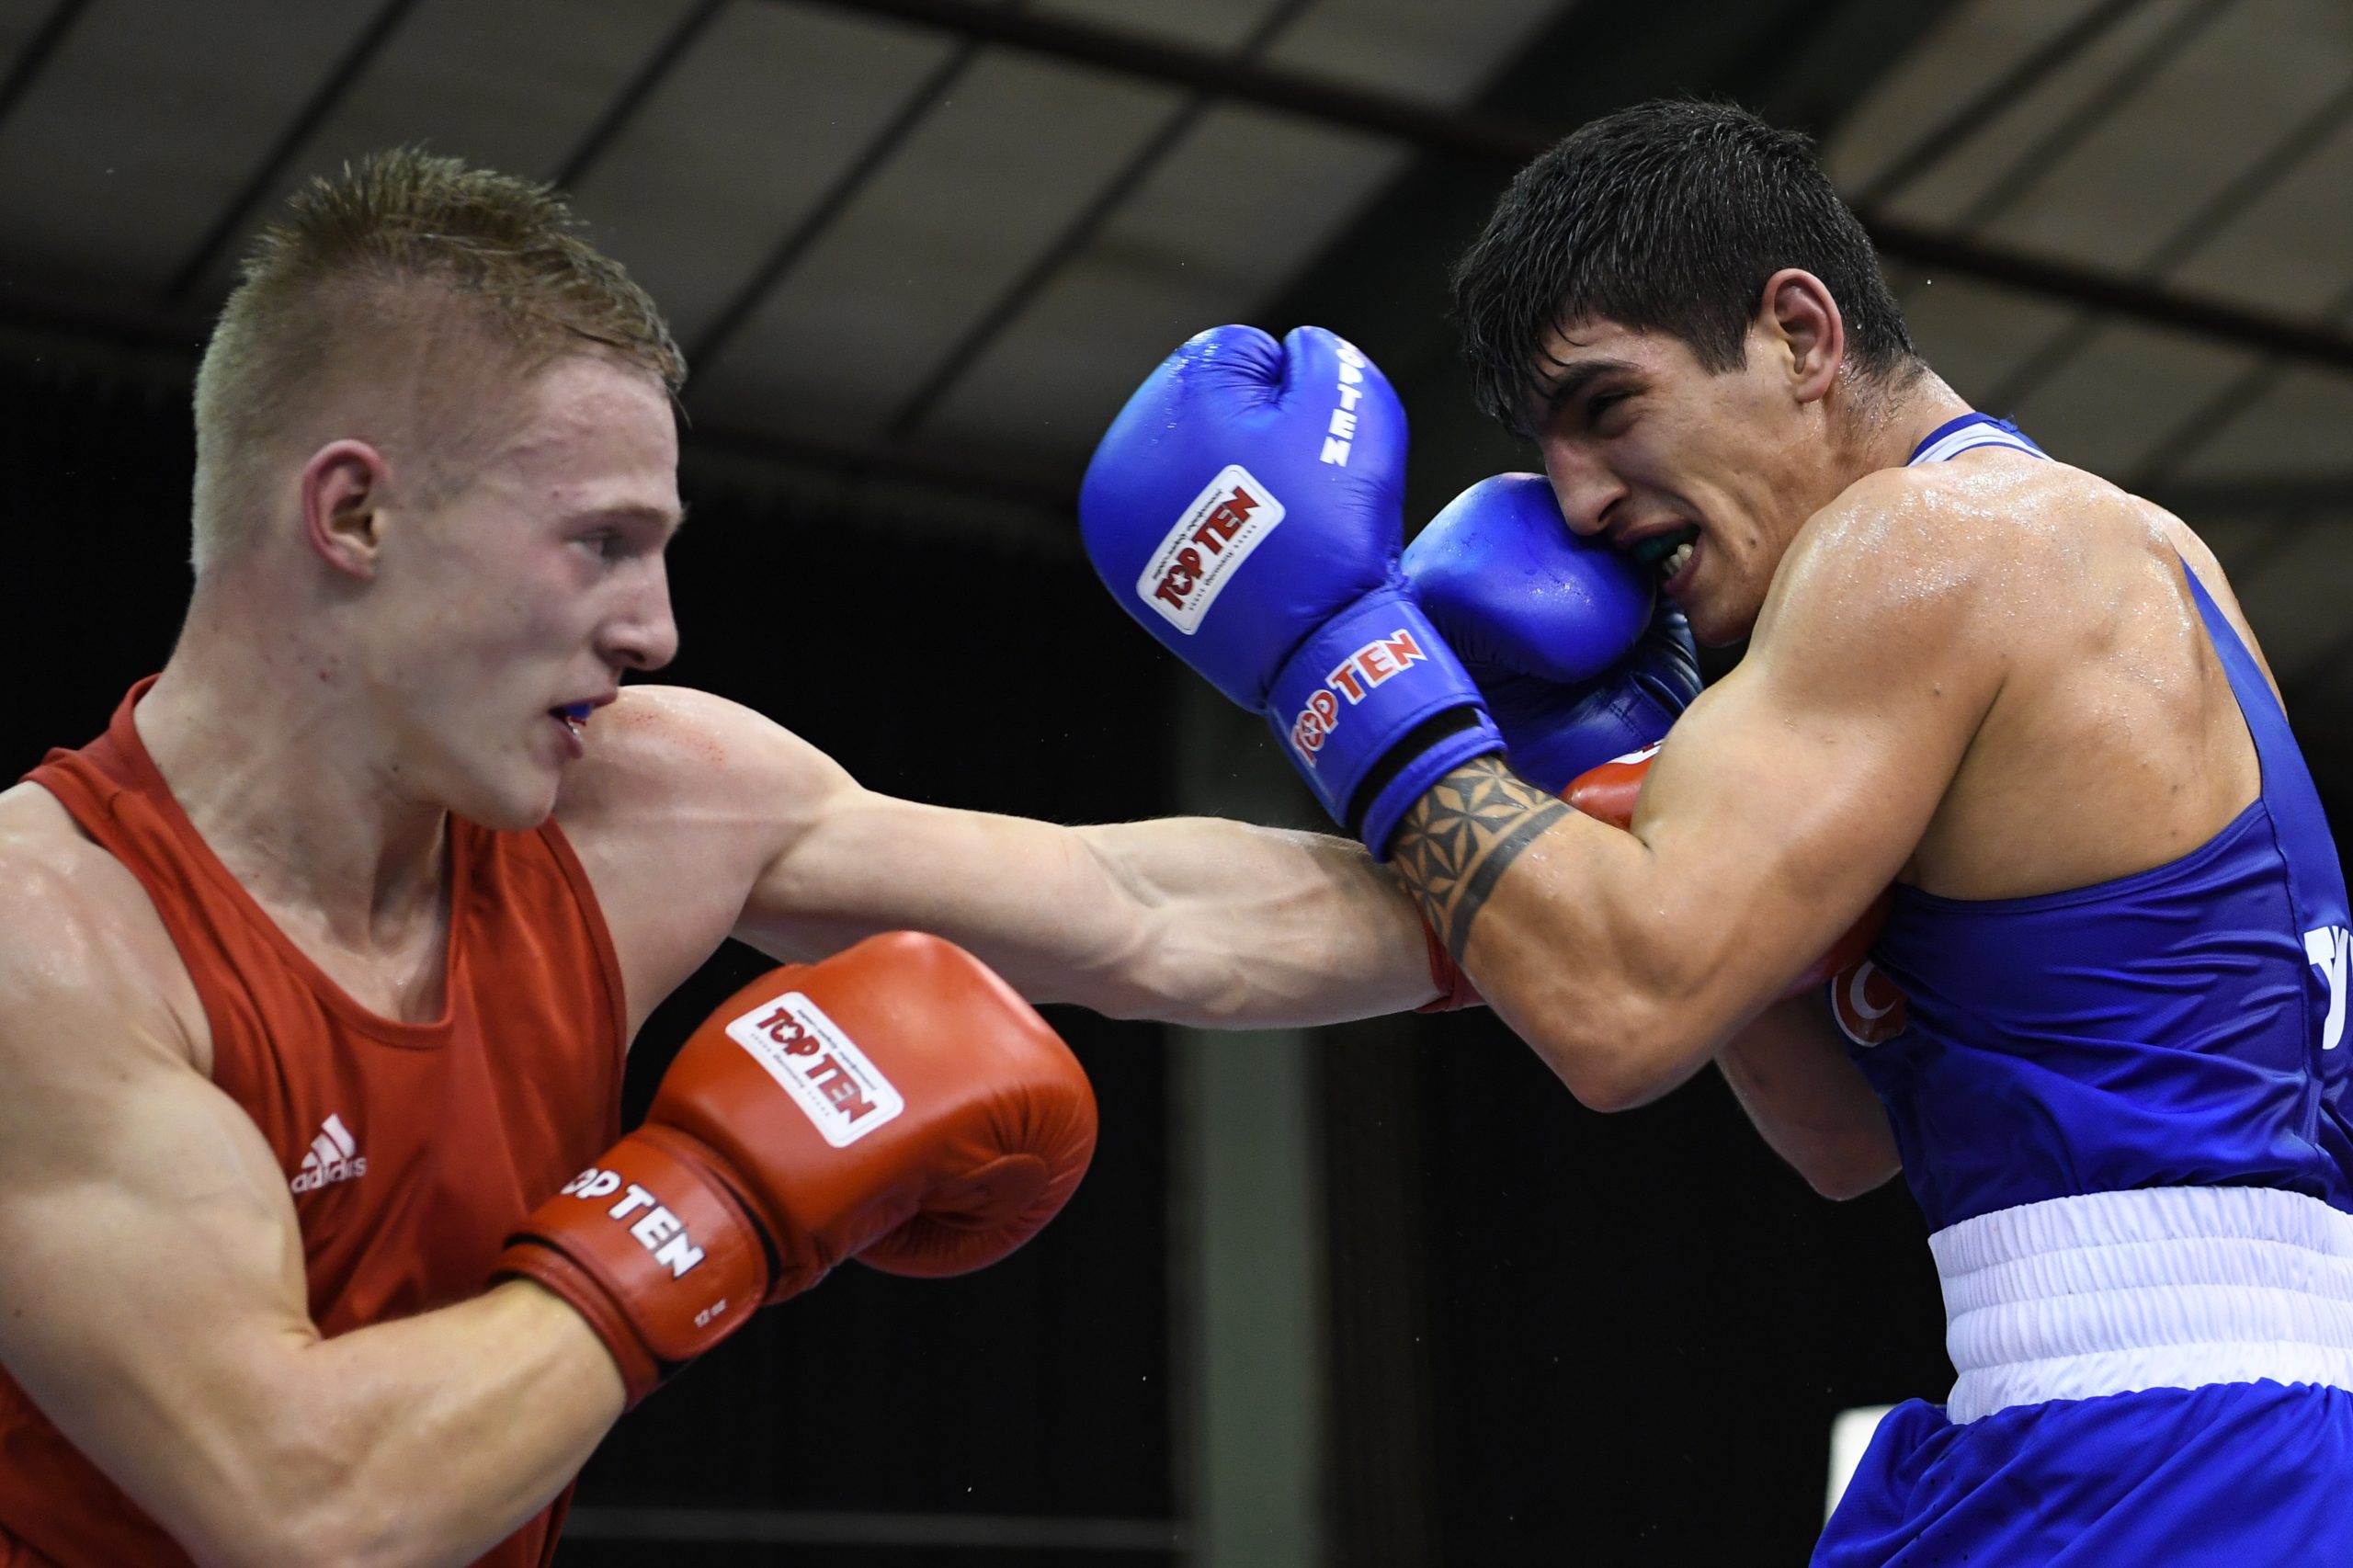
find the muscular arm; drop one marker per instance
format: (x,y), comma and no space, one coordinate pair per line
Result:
(1188,919)
(706,820)
(1790,794)
(153,1269)
(1789,1071)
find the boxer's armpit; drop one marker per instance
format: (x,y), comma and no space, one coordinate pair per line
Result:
(1459,838)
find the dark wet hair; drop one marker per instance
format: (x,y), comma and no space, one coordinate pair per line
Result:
(1666,217)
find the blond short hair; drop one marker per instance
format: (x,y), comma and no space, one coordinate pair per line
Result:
(409,254)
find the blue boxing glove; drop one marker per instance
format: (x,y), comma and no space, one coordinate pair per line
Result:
(1558,630)
(1245,506)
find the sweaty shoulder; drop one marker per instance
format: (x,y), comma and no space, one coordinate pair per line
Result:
(1954,523)
(682,800)
(1983,541)
(79,938)
(2108,740)
(2058,558)
(1892,580)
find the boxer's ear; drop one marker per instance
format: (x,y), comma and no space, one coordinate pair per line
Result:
(1804,331)
(344,486)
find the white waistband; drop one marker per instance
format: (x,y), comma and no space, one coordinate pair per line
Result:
(2169,1286)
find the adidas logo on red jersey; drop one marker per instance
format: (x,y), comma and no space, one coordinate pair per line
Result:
(334,1156)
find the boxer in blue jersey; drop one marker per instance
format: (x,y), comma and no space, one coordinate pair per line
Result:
(2022,696)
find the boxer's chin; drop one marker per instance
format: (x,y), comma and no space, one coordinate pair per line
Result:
(509,812)
(514,799)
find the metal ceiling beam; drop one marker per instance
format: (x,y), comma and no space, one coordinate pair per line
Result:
(2211,217)
(1994,100)
(1207,71)
(179,335)
(35,56)
(1505,143)
(633,95)
(2315,342)
(963,355)
(2129,77)
(176,340)
(1048,265)
(861,172)
(169,344)
(2194,430)
(230,225)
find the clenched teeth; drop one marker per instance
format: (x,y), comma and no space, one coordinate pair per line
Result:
(1677,559)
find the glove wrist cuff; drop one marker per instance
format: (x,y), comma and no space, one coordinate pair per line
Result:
(652,1249)
(1412,769)
(1373,699)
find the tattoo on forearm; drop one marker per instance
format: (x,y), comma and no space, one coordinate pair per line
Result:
(1458,839)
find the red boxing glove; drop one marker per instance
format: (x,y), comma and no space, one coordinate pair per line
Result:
(897,1103)
(1608,793)
(1454,988)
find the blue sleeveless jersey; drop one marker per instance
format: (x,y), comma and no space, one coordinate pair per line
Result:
(2180,1026)
(2122,1109)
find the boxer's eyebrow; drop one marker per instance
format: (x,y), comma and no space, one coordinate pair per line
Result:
(662,518)
(1559,391)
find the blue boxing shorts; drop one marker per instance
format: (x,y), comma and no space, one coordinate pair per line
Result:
(2158,1377)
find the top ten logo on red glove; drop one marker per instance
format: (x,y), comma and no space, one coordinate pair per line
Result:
(832,1081)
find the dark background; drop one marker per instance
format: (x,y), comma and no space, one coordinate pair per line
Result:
(1549,1337)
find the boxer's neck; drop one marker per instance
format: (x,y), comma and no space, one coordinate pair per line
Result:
(291,779)
(1885,426)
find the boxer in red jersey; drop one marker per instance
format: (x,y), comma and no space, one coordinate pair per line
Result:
(316,970)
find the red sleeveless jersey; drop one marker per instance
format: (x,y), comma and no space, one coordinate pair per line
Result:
(410,1149)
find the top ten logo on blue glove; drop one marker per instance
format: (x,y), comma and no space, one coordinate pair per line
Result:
(1226,520)
(1209,542)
